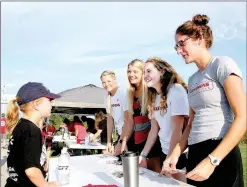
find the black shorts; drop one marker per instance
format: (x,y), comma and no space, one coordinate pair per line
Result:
(228,174)
(156,150)
(182,161)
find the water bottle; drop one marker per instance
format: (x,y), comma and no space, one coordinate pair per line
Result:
(63,167)
(130,169)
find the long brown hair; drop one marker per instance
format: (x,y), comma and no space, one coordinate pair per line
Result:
(169,77)
(131,89)
(99,116)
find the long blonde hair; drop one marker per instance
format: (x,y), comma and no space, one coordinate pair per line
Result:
(12,115)
(113,75)
(99,116)
(167,79)
(131,89)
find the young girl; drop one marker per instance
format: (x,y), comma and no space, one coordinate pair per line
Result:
(167,107)
(138,117)
(116,107)
(25,147)
(218,108)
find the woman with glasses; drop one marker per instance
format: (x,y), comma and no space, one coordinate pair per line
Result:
(217,111)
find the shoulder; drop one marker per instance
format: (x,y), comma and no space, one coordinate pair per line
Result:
(27,128)
(177,88)
(222,61)
(121,91)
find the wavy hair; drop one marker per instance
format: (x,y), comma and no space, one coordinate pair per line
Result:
(169,77)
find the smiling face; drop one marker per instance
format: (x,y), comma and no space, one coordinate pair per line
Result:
(108,82)
(187,48)
(134,75)
(151,75)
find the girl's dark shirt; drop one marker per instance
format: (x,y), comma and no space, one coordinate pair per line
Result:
(25,147)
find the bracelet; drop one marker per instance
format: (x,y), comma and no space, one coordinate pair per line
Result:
(143,156)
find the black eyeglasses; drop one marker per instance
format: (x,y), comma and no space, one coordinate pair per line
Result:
(181,43)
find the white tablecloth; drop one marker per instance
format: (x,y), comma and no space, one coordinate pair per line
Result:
(74,145)
(94,169)
(58,138)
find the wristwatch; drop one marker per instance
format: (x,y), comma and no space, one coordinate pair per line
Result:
(214,161)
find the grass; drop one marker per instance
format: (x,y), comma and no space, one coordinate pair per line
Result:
(243,149)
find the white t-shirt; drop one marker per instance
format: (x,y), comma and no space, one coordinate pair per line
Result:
(177,104)
(118,106)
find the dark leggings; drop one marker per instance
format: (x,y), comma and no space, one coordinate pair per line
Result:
(228,174)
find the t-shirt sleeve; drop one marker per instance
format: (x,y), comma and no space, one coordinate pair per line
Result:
(124,100)
(178,99)
(32,149)
(226,67)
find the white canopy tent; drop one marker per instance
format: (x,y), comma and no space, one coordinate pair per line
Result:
(86,99)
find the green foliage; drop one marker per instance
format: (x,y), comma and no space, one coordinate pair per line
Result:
(244,139)
(57,120)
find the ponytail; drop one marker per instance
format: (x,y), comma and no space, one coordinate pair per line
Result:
(12,114)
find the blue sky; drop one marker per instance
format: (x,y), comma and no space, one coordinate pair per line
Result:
(66,45)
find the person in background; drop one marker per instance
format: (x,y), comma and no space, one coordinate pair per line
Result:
(116,108)
(168,107)
(84,121)
(70,125)
(80,130)
(101,127)
(217,102)
(3,131)
(25,146)
(90,124)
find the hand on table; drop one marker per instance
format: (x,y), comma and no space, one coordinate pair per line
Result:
(169,165)
(142,162)
(202,171)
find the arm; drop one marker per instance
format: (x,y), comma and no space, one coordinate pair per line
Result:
(172,158)
(97,134)
(76,131)
(177,125)
(183,143)
(109,128)
(36,176)
(152,137)
(127,129)
(237,99)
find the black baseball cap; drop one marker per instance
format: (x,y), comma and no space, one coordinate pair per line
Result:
(34,90)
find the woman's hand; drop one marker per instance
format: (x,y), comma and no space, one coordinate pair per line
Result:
(142,162)
(202,171)
(169,165)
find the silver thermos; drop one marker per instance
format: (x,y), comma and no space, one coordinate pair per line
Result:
(130,161)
